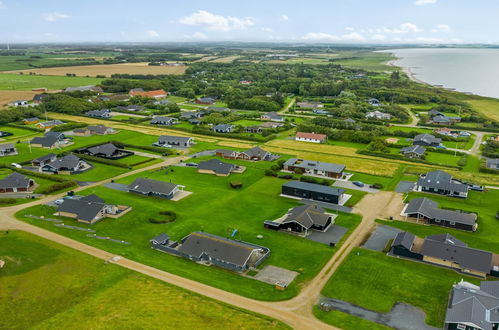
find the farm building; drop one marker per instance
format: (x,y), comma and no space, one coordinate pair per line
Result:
(310,137)
(16,182)
(219,251)
(427,210)
(313,191)
(315,168)
(154,188)
(442,183)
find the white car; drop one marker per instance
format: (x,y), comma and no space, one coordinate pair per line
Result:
(59,202)
(16,165)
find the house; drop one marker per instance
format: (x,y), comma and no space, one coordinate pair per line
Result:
(378,115)
(38,98)
(217,167)
(176,141)
(447,251)
(154,188)
(315,168)
(90,88)
(223,128)
(270,124)
(310,105)
(16,182)
(310,137)
(102,113)
(427,140)
(473,307)
(305,190)
(4,134)
(349,121)
(427,210)
(320,112)
(434,112)
(94,130)
(205,100)
(195,121)
(191,115)
(272,116)
(155,94)
(18,103)
(43,160)
(445,131)
(50,140)
(7,149)
(442,183)
(303,218)
(162,102)
(413,151)
(205,248)
(255,154)
(132,107)
(104,98)
(162,120)
(218,109)
(445,120)
(49,124)
(492,163)
(374,102)
(30,121)
(254,129)
(107,150)
(89,209)
(69,164)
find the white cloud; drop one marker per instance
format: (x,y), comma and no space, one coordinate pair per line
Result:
(152,34)
(403,28)
(326,37)
(349,28)
(216,22)
(378,37)
(284,17)
(266,29)
(52,17)
(429,40)
(424,2)
(196,35)
(441,28)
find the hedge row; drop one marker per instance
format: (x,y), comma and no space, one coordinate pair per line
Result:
(103,161)
(159,150)
(57,187)
(7,201)
(68,127)
(400,157)
(206,131)
(49,177)
(29,128)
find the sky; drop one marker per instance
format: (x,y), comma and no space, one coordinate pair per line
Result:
(323,21)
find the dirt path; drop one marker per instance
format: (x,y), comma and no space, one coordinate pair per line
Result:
(286,108)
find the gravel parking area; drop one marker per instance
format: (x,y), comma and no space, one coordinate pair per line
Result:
(405,186)
(380,237)
(272,275)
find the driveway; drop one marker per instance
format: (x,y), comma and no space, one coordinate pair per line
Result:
(116,186)
(380,237)
(350,185)
(20,195)
(402,316)
(332,235)
(405,186)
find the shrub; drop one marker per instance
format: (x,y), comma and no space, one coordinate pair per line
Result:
(56,187)
(270,173)
(377,186)
(462,161)
(7,201)
(286,176)
(167,217)
(388,246)
(236,184)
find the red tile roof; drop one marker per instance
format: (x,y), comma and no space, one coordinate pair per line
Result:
(156,93)
(313,136)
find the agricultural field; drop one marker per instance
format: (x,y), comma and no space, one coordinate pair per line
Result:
(369,61)
(488,107)
(43,287)
(105,70)
(26,82)
(227,59)
(390,280)
(260,200)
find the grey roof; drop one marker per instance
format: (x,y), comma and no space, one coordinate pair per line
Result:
(6,146)
(207,99)
(45,158)
(174,139)
(82,88)
(493,163)
(427,139)
(100,129)
(162,119)
(307,216)
(314,187)
(223,127)
(52,123)
(97,113)
(256,152)
(39,97)
(92,198)
(447,247)
(217,109)
(404,239)
(273,115)
(477,305)
(217,166)
(86,209)
(234,252)
(349,120)
(429,209)
(31,119)
(145,185)
(419,150)
(15,180)
(67,162)
(315,165)
(441,180)
(434,112)
(45,141)
(132,107)
(191,114)
(161,239)
(107,149)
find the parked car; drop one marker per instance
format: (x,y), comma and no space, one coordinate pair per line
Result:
(16,165)
(59,202)
(156,144)
(476,187)
(191,164)
(358,183)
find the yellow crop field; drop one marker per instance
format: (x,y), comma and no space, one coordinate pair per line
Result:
(487,107)
(106,70)
(9,96)
(227,59)
(235,144)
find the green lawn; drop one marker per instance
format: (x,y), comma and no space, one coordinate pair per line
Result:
(370,179)
(10,81)
(18,133)
(442,158)
(375,281)
(48,286)
(346,321)
(215,208)
(485,204)
(98,172)
(246,122)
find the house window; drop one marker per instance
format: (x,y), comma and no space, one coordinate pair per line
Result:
(437,220)
(461,326)
(452,223)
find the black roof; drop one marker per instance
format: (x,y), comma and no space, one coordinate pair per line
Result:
(107,149)
(404,239)
(146,185)
(217,166)
(67,162)
(314,187)
(308,215)
(45,158)
(85,208)
(15,180)
(441,180)
(429,209)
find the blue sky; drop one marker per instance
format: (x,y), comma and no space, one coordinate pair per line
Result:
(328,21)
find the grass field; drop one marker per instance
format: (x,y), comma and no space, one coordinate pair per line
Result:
(227,59)
(346,321)
(488,107)
(369,61)
(216,208)
(484,204)
(375,281)
(48,286)
(18,133)
(106,70)
(27,82)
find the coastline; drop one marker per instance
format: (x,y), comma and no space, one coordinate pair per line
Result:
(407,71)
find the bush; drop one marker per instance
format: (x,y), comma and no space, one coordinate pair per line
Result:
(308,179)
(388,246)
(270,173)
(7,201)
(167,217)
(56,187)
(236,184)
(103,161)
(462,161)
(377,186)
(286,176)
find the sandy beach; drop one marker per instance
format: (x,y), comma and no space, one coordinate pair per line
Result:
(407,71)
